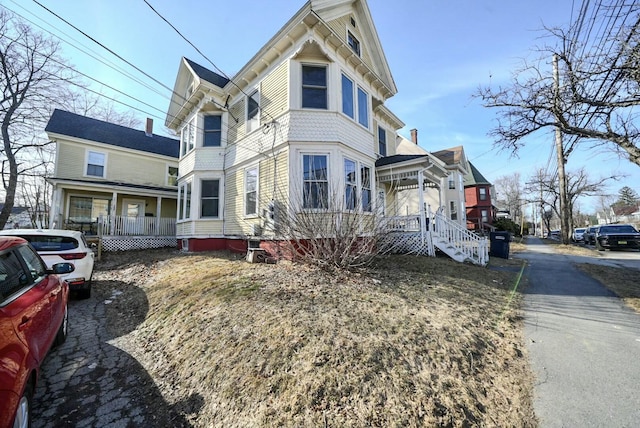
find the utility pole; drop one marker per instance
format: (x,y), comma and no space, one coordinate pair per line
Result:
(562,178)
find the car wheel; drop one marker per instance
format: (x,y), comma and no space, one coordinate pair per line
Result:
(61,336)
(23,412)
(598,246)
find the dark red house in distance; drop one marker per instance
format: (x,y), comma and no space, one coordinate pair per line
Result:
(477,196)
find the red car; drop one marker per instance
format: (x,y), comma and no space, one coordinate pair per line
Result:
(33,318)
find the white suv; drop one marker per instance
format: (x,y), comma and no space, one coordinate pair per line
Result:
(62,246)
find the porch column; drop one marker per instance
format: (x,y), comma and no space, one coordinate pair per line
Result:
(158,213)
(421,202)
(113,213)
(55,211)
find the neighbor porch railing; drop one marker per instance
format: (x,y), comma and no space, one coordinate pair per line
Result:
(136,226)
(459,242)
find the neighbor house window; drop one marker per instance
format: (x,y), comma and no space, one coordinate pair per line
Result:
(365,182)
(484,215)
(354,44)
(363,108)
(84,209)
(95,164)
(209,198)
(315,182)
(251,191)
(188,138)
(382,141)
(452,182)
(172,176)
(347,97)
(483,193)
(314,87)
(253,110)
(184,201)
(350,185)
(212,131)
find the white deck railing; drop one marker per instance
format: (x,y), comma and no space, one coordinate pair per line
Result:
(136,226)
(473,247)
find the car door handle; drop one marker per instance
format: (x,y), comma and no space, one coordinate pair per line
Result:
(24,324)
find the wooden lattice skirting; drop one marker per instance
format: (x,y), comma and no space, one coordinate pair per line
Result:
(126,243)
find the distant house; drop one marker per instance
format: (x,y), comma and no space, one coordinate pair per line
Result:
(114,181)
(625,214)
(19,218)
(477,194)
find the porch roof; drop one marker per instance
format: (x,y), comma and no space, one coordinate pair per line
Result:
(405,169)
(110,185)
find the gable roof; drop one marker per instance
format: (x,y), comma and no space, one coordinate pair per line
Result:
(474,177)
(206,74)
(624,210)
(450,156)
(69,124)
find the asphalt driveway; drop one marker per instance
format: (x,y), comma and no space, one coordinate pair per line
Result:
(584,344)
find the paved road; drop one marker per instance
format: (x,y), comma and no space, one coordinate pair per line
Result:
(584,344)
(88,382)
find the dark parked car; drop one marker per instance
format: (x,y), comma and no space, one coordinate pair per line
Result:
(613,236)
(33,318)
(589,235)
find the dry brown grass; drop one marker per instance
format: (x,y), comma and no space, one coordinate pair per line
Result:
(571,249)
(412,341)
(622,281)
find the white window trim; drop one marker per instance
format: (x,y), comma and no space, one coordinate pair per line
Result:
(378,152)
(254,123)
(198,200)
(189,127)
(168,176)
(182,196)
(244,194)
(200,135)
(86,163)
(327,87)
(301,163)
(359,187)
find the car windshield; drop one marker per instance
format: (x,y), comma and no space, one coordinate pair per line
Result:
(580,230)
(52,243)
(618,229)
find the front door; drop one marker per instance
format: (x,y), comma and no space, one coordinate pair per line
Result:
(133,216)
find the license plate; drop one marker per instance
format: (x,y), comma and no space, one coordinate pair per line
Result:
(622,242)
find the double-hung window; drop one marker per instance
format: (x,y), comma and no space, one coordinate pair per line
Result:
(483,193)
(314,86)
(452,182)
(355,101)
(365,183)
(453,210)
(315,182)
(350,185)
(188,138)
(382,141)
(212,131)
(347,97)
(484,216)
(172,176)
(251,191)
(184,201)
(210,198)
(95,164)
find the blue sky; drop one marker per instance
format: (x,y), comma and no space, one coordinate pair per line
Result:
(439,53)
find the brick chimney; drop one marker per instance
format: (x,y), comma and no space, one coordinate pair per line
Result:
(414,136)
(149,129)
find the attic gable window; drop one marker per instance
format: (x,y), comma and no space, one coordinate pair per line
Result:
(314,87)
(354,44)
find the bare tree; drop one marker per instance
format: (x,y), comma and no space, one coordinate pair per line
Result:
(578,185)
(33,80)
(92,105)
(599,94)
(509,193)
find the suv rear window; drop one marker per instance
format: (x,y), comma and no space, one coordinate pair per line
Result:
(52,243)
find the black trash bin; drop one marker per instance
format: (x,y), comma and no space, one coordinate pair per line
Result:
(499,244)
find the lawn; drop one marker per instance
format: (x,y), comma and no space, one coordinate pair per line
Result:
(410,341)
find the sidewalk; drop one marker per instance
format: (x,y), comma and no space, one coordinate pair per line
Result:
(584,345)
